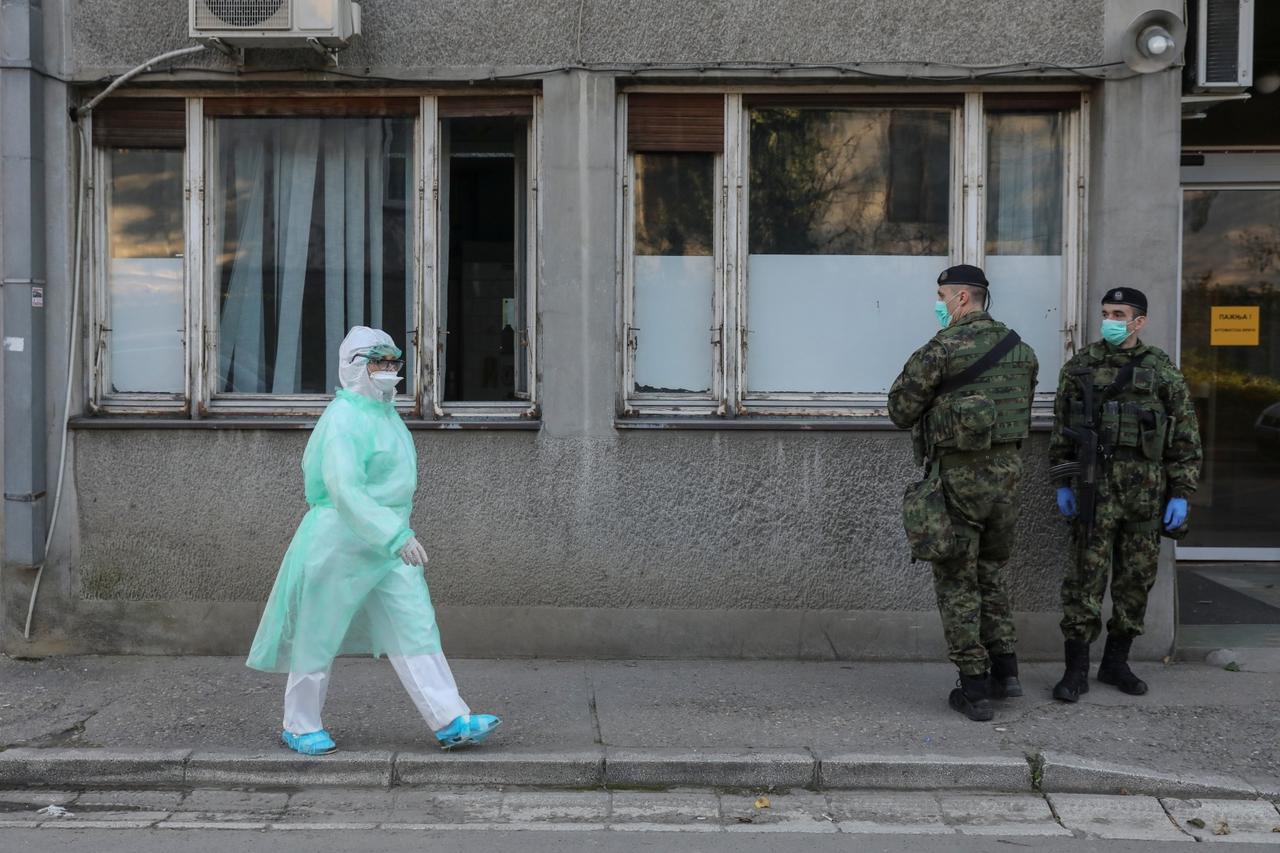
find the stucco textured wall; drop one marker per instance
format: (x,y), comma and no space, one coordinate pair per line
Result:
(689,520)
(432,34)
(581,538)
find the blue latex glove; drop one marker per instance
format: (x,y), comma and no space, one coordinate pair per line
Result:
(1175,514)
(1067,501)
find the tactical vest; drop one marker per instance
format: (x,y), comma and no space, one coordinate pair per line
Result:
(1128,411)
(995,408)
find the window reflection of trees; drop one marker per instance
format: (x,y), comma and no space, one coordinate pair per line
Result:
(833,181)
(675,204)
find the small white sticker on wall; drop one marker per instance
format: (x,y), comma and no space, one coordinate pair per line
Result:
(15,344)
(37,297)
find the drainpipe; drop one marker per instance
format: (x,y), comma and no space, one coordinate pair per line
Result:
(22,276)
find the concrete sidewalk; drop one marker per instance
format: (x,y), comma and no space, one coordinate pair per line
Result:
(135,721)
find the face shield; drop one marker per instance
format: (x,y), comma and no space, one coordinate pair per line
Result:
(365,347)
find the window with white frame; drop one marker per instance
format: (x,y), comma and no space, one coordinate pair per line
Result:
(139,348)
(671,180)
(840,210)
(311,232)
(484,293)
(315,217)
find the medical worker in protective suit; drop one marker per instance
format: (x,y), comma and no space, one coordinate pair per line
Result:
(352,580)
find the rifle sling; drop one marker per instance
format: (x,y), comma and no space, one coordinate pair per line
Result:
(981,366)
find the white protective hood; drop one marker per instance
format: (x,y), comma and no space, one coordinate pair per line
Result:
(354,374)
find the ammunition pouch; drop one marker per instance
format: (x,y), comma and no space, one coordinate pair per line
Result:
(919,446)
(928,524)
(963,423)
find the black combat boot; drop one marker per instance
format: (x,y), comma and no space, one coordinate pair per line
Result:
(972,697)
(1114,668)
(1004,677)
(1075,681)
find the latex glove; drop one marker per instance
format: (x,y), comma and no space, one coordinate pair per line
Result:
(413,553)
(1175,514)
(1067,501)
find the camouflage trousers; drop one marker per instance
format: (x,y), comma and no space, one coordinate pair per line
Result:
(1125,544)
(972,592)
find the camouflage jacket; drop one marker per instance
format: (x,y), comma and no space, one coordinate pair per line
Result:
(915,389)
(1182,453)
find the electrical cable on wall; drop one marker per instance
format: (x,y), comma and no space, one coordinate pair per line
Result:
(926,72)
(77,277)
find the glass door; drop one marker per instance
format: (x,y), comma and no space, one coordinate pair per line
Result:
(1228,570)
(1230,347)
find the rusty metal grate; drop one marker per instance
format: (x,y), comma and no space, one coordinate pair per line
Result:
(242,14)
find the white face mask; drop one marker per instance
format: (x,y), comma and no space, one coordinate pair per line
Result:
(385,382)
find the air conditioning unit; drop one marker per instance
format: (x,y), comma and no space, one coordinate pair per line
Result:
(275,23)
(1224,45)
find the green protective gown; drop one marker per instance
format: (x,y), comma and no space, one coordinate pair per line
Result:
(342,588)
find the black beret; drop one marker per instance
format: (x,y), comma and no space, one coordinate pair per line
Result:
(1125,296)
(963,274)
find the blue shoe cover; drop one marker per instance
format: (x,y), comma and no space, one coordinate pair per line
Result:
(311,743)
(469,729)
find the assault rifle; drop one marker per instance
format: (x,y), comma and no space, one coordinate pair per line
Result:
(1092,451)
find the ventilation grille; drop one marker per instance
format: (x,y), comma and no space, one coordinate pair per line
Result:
(242,14)
(1222,41)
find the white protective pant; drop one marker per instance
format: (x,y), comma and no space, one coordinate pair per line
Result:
(427,678)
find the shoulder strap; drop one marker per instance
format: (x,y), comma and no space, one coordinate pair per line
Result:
(1125,375)
(982,365)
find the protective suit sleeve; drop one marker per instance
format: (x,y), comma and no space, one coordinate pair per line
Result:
(913,390)
(343,471)
(1183,453)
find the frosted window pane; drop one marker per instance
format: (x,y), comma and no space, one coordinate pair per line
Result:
(1026,293)
(145,341)
(673,315)
(836,323)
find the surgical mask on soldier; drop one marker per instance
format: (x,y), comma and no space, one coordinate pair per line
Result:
(940,309)
(385,381)
(1115,332)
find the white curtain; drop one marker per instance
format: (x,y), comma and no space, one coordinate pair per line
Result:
(345,159)
(1024,207)
(1025,183)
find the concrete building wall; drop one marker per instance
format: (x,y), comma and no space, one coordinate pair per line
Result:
(581,538)
(437,38)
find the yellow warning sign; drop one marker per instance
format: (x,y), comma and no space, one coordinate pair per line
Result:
(1234,326)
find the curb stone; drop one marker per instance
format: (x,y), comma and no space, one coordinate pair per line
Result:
(572,769)
(354,769)
(92,768)
(777,768)
(69,768)
(1073,774)
(925,772)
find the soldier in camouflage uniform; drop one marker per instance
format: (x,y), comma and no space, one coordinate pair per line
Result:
(972,432)
(1148,450)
